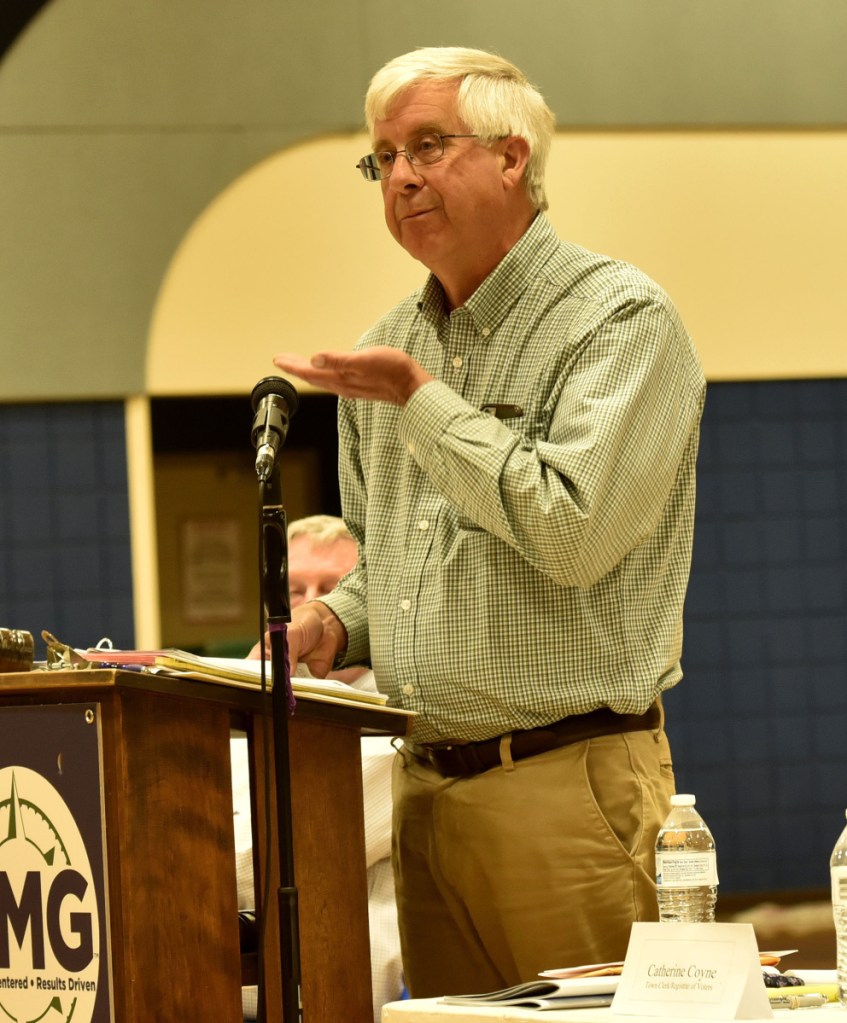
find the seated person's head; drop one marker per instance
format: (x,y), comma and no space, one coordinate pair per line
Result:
(320,552)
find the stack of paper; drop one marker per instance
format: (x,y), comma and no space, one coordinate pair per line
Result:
(228,671)
(580,987)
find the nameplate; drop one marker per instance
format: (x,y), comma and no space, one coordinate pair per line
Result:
(695,971)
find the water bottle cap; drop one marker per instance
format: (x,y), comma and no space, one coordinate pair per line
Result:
(683,799)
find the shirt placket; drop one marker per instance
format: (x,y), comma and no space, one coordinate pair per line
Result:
(457,335)
(420,532)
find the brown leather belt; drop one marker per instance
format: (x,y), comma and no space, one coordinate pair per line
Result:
(464,759)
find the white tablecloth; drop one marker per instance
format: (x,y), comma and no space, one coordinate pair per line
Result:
(429,1010)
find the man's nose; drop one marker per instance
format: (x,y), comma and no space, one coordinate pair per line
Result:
(404,174)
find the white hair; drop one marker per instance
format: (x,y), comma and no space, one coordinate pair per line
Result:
(320,528)
(495,100)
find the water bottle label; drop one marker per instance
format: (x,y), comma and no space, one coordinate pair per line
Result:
(839,886)
(686,870)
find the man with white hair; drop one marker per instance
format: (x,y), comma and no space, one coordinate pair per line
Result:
(517,454)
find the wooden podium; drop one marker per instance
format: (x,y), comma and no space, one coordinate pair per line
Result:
(167,814)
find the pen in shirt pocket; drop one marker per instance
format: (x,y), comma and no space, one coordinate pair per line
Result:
(502,410)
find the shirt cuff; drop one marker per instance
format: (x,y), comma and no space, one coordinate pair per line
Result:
(348,612)
(425,416)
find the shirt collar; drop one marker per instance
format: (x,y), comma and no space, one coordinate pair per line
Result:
(498,292)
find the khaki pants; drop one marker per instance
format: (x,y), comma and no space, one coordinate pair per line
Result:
(534,865)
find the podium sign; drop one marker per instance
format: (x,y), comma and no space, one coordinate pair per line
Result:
(54,934)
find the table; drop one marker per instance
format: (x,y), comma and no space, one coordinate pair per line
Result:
(429,1010)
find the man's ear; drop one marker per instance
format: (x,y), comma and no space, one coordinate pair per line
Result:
(515,157)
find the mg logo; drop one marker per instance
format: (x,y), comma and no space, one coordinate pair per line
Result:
(49,925)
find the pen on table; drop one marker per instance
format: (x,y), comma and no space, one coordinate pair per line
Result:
(810,1001)
(121,667)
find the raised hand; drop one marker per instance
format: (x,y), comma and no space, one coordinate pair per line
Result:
(374,374)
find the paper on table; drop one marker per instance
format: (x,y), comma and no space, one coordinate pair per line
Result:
(573,992)
(814,976)
(591,970)
(772,958)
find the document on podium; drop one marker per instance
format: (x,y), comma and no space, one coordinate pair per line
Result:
(235,671)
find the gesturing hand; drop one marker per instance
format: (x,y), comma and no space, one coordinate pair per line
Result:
(375,374)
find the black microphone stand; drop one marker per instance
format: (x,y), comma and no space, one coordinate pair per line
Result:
(278,614)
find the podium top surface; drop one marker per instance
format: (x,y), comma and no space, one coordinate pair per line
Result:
(76,685)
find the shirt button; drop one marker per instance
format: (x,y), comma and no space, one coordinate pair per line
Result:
(486,331)
(405,605)
(408,690)
(457,362)
(423,524)
(410,447)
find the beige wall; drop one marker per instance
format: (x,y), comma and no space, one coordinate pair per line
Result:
(744,230)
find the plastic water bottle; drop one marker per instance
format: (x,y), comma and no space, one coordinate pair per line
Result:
(838,873)
(686,866)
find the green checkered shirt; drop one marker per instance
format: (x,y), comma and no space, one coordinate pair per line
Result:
(519,569)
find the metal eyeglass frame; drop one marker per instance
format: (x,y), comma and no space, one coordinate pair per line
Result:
(373,171)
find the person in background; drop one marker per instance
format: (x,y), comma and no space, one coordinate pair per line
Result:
(518,442)
(320,552)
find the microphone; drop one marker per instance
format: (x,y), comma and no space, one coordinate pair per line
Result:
(274,402)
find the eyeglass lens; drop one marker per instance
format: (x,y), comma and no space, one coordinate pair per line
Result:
(427,148)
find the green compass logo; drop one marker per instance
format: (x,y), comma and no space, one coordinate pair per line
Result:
(49,929)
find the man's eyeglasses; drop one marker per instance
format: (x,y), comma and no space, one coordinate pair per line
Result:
(423,149)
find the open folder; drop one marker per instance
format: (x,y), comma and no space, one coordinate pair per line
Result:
(235,671)
(579,992)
